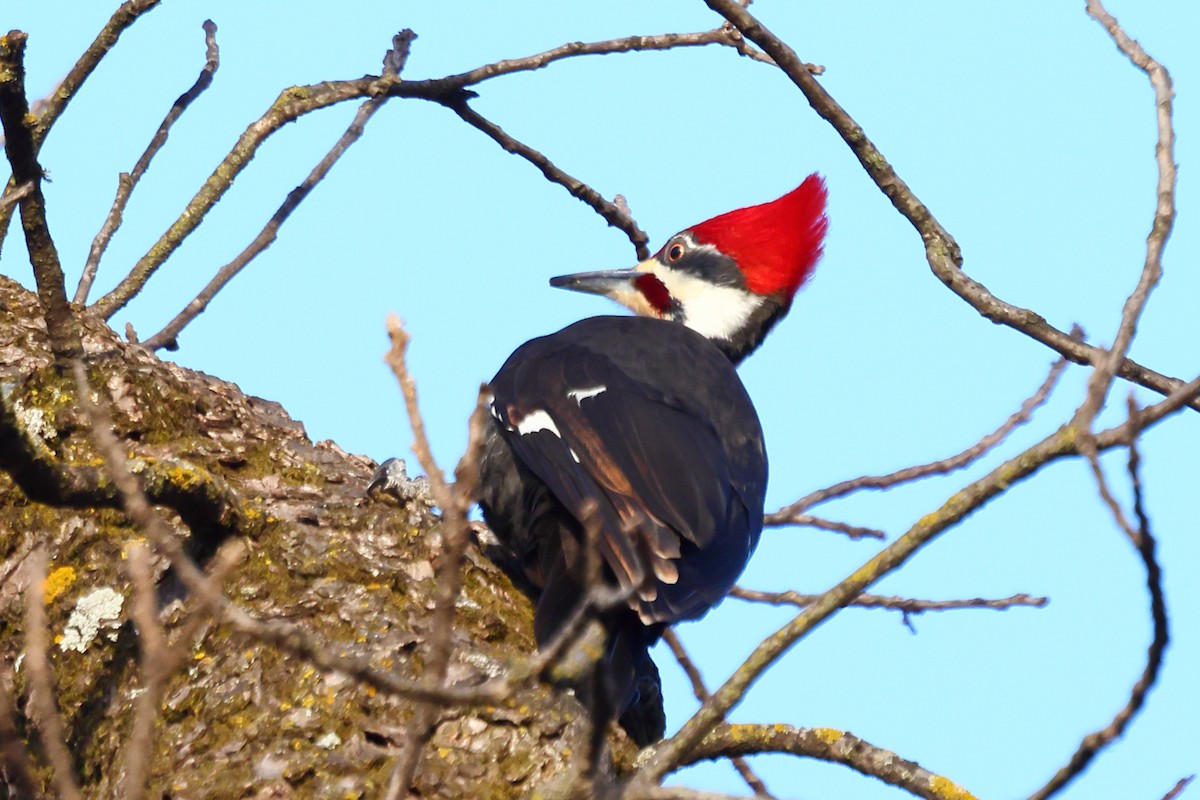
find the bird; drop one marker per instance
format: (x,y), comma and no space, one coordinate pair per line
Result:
(639,427)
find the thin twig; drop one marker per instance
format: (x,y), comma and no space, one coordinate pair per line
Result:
(158,661)
(794,513)
(1184,395)
(941,251)
(167,337)
(1164,220)
(300,100)
(905,605)
(1094,742)
(1178,788)
(701,691)
(454,503)
(21,149)
(289,638)
(68,87)
(51,731)
(128,181)
(154,668)
(724,35)
(611,212)
(16,195)
(1060,444)
(855,532)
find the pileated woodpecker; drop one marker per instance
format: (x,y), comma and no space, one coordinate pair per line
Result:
(642,425)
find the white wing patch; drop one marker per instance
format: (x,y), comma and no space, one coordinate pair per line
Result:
(537,421)
(579,395)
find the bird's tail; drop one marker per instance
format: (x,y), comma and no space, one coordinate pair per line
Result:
(607,664)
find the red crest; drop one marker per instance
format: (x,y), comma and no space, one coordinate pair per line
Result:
(775,244)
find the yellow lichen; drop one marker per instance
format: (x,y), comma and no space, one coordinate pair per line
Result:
(948,789)
(828,736)
(58,582)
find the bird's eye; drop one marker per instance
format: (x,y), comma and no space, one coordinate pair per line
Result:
(675,252)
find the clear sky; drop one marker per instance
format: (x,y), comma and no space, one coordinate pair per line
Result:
(1019,124)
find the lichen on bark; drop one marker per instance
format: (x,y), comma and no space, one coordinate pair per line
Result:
(241,718)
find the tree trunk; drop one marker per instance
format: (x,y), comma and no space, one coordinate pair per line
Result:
(241,718)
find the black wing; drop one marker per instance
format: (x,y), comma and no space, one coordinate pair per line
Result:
(653,425)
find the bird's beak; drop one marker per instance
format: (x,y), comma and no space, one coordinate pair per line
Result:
(609,282)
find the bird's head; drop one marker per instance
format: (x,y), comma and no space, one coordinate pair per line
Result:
(730,278)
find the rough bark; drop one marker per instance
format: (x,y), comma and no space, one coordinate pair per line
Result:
(241,719)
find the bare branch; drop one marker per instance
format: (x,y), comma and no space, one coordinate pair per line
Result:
(128,181)
(724,35)
(853,531)
(1058,445)
(154,668)
(289,638)
(1184,395)
(905,605)
(827,744)
(794,513)
(613,214)
(300,100)
(1164,220)
(21,149)
(291,105)
(16,195)
(1178,788)
(454,503)
(66,90)
(158,661)
(49,723)
(701,691)
(1094,742)
(167,337)
(941,251)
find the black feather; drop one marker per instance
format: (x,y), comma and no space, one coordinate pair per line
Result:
(652,425)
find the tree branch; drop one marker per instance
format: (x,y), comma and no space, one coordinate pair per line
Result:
(612,213)
(127,182)
(827,744)
(21,149)
(941,250)
(905,605)
(1058,445)
(1164,219)
(454,502)
(300,100)
(1094,742)
(48,721)
(393,62)
(701,692)
(794,514)
(1178,788)
(122,18)
(291,639)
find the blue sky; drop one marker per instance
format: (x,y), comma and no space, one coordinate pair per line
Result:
(1021,127)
